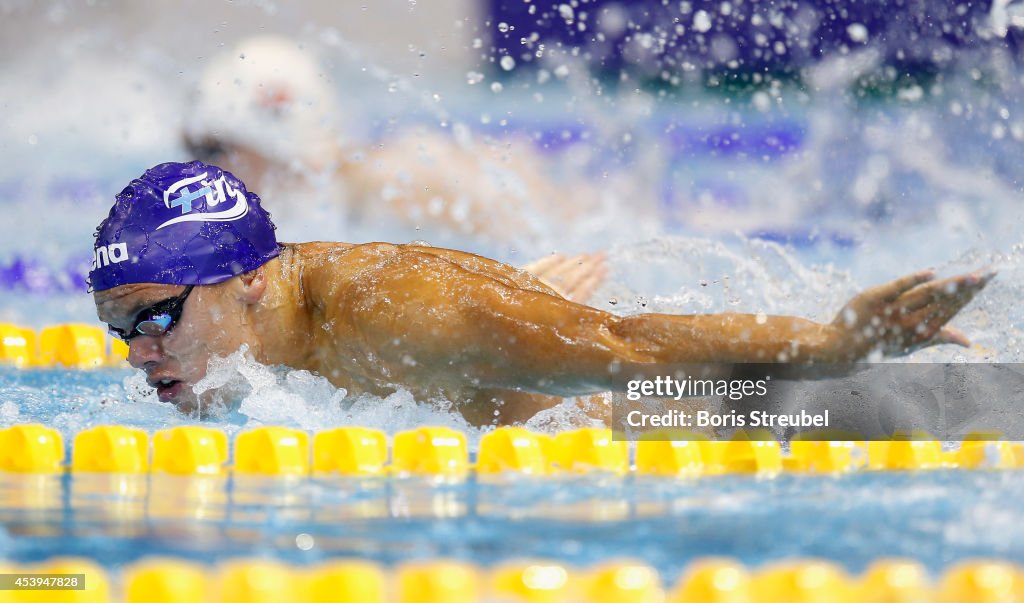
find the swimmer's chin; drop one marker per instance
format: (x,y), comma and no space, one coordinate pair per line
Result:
(187,403)
(183,400)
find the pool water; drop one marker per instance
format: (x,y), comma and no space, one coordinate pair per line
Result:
(936,516)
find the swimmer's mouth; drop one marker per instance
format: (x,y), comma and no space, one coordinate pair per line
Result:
(167,389)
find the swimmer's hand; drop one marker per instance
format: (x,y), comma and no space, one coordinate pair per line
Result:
(574,278)
(904,315)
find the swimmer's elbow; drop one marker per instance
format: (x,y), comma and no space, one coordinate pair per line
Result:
(634,340)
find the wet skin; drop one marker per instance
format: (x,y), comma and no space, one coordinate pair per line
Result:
(488,336)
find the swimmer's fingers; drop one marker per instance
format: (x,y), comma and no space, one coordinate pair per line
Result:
(558,268)
(918,340)
(575,277)
(875,303)
(583,288)
(548,270)
(583,275)
(925,312)
(946,334)
(927,308)
(925,326)
(893,289)
(539,268)
(574,268)
(955,289)
(950,335)
(916,317)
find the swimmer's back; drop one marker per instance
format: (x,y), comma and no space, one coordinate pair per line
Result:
(328,267)
(372,307)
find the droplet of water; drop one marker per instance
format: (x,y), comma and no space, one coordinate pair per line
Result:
(508,63)
(701,21)
(849,317)
(496,87)
(857,32)
(761,100)
(910,94)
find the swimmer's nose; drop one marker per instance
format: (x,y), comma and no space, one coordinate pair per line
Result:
(143,350)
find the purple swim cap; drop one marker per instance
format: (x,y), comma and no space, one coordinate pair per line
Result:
(182,224)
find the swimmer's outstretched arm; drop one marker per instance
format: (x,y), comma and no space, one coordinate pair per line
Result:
(465,327)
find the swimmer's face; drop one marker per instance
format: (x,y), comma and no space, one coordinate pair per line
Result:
(245,163)
(176,360)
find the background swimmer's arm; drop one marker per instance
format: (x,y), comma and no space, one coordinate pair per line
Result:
(431,320)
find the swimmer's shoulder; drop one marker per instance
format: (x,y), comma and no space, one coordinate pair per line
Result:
(335,264)
(337,274)
(337,256)
(327,266)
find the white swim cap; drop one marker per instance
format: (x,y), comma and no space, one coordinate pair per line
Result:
(271,95)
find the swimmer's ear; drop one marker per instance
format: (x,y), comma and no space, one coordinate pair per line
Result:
(252,285)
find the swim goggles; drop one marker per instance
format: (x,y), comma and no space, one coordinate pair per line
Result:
(155,320)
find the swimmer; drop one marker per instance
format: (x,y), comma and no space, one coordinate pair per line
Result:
(187,268)
(265,111)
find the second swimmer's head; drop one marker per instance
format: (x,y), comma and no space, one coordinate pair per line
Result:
(264,102)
